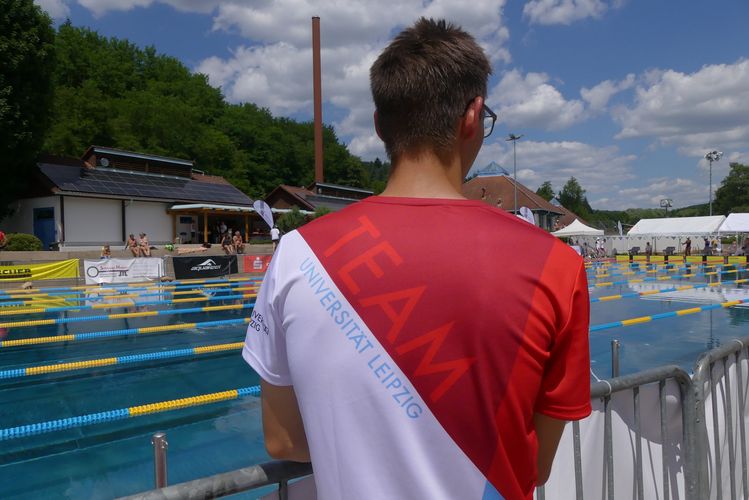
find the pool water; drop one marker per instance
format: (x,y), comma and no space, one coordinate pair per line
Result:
(107,460)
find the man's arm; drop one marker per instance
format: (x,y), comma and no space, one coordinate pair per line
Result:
(548,432)
(282,423)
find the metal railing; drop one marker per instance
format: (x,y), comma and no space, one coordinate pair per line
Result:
(229,483)
(614,467)
(706,456)
(725,430)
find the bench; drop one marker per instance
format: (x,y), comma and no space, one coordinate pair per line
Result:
(669,250)
(634,250)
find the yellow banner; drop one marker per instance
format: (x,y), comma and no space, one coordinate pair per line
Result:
(46,271)
(737,259)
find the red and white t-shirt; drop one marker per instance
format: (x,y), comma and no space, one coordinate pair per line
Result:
(420,336)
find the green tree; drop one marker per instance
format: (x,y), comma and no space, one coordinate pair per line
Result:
(572,197)
(290,220)
(545,191)
(733,193)
(26,65)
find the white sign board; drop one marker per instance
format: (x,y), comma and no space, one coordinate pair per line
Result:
(263,209)
(123,270)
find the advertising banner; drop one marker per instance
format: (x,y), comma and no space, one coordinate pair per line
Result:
(256,263)
(204,267)
(123,270)
(264,211)
(43,271)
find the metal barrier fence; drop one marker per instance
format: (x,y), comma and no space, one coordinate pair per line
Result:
(720,380)
(691,444)
(236,481)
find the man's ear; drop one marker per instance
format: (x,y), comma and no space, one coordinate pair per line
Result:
(471,121)
(377,124)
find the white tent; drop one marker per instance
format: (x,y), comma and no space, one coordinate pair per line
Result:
(577,228)
(677,226)
(735,223)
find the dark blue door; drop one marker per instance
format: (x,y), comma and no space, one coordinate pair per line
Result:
(44,225)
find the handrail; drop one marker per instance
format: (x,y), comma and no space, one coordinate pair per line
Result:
(229,483)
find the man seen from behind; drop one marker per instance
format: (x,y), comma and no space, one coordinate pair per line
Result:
(404,347)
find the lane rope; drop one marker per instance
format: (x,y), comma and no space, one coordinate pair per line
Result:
(118,333)
(124,413)
(29,371)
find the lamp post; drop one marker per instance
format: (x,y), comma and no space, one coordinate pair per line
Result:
(514,138)
(711,157)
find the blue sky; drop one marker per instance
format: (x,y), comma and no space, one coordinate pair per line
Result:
(625,95)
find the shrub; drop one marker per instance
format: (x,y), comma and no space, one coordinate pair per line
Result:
(21,242)
(290,220)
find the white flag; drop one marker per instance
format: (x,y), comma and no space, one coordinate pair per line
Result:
(619,226)
(263,209)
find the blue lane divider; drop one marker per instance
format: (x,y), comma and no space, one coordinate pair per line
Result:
(116,333)
(82,297)
(652,278)
(637,273)
(664,290)
(142,303)
(141,314)
(125,285)
(123,413)
(670,314)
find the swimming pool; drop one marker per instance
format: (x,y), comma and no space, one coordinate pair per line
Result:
(114,458)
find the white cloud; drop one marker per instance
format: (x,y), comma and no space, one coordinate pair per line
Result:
(598,96)
(57,9)
(566,11)
(682,191)
(100,7)
(696,112)
(275,70)
(530,101)
(598,169)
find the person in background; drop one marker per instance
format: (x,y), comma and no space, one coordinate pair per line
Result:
(3,242)
(227,244)
(399,382)
(688,247)
(238,242)
(275,235)
(132,244)
(648,249)
(106,253)
(145,246)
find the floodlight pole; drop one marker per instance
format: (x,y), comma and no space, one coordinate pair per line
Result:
(711,157)
(514,138)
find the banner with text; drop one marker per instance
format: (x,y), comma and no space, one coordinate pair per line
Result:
(256,263)
(43,271)
(204,267)
(123,270)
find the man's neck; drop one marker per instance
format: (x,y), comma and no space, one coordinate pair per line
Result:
(424,175)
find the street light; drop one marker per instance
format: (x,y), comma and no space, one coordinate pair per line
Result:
(711,157)
(514,138)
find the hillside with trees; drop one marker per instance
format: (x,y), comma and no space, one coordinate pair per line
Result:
(62,91)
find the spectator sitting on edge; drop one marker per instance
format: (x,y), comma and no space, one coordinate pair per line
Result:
(398,382)
(227,244)
(145,247)
(132,244)
(238,242)
(106,253)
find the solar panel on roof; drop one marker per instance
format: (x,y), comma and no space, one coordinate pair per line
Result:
(99,181)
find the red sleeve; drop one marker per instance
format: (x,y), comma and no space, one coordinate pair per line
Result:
(565,389)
